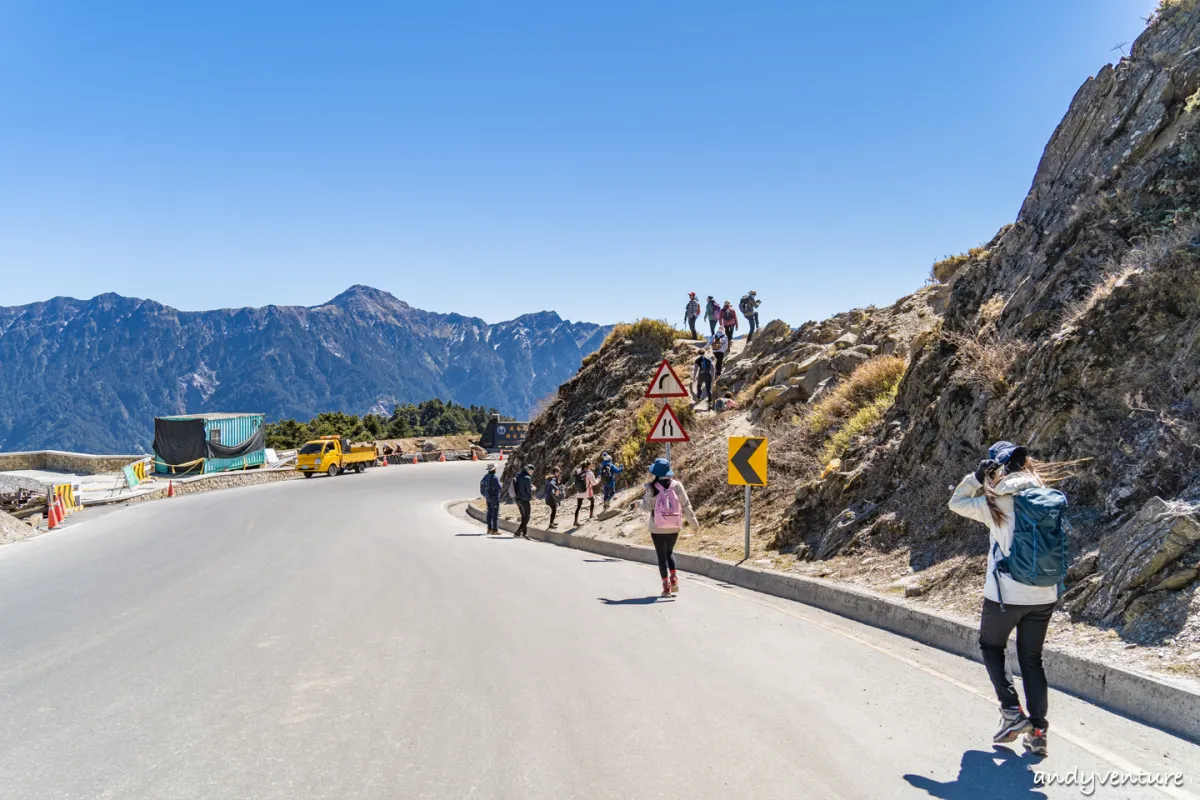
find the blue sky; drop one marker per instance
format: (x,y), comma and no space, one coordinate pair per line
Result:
(598,159)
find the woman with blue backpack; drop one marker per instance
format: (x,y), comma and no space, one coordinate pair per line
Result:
(1027,561)
(668,504)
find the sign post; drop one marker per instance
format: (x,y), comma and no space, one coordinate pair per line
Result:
(747,467)
(664,385)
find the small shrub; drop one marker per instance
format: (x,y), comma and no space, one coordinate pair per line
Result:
(872,380)
(985,358)
(862,421)
(651,334)
(948,267)
(991,310)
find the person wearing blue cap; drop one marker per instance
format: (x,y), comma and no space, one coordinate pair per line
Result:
(1006,479)
(668,504)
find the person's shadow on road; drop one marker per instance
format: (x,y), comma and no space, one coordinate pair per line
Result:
(999,775)
(632,601)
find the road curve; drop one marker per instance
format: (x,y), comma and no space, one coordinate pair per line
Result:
(347,638)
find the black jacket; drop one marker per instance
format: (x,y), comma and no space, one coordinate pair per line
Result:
(523,486)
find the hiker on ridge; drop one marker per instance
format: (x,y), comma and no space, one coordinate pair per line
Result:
(691,312)
(720,346)
(668,504)
(712,314)
(702,377)
(1027,549)
(523,494)
(490,487)
(584,481)
(749,307)
(729,320)
(608,478)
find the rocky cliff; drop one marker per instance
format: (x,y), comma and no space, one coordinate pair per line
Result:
(1076,329)
(91,375)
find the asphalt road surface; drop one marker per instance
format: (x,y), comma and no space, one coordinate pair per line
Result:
(350,638)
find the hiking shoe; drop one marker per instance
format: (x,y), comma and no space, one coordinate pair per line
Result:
(1013,723)
(1035,742)
(666,588)
(674,584)
(552,526)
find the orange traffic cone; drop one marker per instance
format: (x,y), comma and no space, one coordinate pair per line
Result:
(501,455)
(52,521)
(385,461)
(414,459)
(442,457)
(170,488)
(473,456)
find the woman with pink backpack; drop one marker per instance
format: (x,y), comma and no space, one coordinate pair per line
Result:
(668,504)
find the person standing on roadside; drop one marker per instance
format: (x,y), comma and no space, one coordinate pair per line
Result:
(608,478)
(490,487)
(1007,493)
(749,306)
(553,494)
(729,320)
(720,346)
(712,314)
(702,377)
(668,504)
(691,312)
(584,482)
(523,494)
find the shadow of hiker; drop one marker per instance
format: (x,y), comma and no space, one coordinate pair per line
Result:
(633,601)
(600,560)
(998,775)
(470,534)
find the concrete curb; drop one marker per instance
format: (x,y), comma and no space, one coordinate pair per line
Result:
(1172,708)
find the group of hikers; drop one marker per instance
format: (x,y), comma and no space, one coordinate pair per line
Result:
(1007,492)
(710,361)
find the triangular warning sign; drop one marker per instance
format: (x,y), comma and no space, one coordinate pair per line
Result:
(667,428)
(666,383)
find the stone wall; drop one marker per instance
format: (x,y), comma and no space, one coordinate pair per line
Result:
(79,463)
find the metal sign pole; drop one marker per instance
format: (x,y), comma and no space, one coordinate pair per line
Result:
(747,557)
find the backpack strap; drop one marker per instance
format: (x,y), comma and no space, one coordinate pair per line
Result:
(997,557)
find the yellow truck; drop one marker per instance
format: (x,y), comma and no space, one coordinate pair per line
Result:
(334,454)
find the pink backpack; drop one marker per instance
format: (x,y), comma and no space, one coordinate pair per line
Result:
(668,514)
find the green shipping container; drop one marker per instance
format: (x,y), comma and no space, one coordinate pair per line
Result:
(228,430)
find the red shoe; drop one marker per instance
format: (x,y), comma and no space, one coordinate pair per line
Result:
(666,588)
(674,583)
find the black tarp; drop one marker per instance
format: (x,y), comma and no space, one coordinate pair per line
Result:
(179,441)
(257,441)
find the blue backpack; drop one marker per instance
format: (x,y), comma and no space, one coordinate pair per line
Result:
(1038,555)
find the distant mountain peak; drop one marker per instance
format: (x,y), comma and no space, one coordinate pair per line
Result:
(360,293)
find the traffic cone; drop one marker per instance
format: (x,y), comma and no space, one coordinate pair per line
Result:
(51,517)
(501,455)
(442,457)
(473,456)
(170,488)
(414,459)
(385,463)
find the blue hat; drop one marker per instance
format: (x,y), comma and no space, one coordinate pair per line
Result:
(1003,452)
(661,468)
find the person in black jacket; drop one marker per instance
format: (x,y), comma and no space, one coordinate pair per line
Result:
(554,493)
(523,494)
(489,487)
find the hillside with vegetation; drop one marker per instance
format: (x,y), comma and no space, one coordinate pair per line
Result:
(1076,329)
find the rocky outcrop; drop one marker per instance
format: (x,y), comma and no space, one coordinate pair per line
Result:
(1074,330)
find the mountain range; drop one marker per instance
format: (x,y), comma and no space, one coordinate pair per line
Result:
(90,375)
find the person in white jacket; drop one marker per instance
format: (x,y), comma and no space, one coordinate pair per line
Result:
(666,519)
(986,496)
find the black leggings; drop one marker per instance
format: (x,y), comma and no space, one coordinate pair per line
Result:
(553,511)
(664,548)
(994,629)
(579,505)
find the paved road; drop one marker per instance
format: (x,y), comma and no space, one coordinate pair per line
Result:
(347,638)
